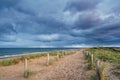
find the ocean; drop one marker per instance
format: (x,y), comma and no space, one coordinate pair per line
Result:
(8,52)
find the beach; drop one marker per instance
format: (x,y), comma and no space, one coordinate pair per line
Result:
(70,67)
(75,64)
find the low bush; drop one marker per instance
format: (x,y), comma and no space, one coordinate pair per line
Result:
(7,62)
(16,60)
(106,54)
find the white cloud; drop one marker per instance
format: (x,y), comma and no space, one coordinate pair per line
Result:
(69,17)
(78,46)
(48,37)
(43,46)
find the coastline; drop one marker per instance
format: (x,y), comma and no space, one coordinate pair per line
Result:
(30,53)
(66,68)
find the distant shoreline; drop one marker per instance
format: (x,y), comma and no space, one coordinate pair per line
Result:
(17,55)
(29,53)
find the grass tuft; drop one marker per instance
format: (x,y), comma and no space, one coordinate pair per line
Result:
(29,74)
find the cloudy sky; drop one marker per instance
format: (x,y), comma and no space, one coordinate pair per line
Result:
(59,23)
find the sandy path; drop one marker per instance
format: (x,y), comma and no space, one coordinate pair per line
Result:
(70,67)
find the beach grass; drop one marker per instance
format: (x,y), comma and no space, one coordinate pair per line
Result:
(106,54)
(16,60)
(7,62)
(29,74)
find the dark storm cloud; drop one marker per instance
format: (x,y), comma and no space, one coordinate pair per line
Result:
(103,35)
(40,25)
(7,3)
(7,29)
(59,23)
(87,21)
(82,5)
(19,9)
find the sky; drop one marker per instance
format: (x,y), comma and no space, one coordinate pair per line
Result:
(59,23)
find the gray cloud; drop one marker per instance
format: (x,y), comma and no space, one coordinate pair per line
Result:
(7,3)
(87,21)
(7,29)
(82,5)
(42,23)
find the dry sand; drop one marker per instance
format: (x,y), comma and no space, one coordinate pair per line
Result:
(70,67)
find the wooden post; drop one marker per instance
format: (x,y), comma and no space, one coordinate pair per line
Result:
(48,59)
(25,68)
(92,59)
(102,75)
(97,69)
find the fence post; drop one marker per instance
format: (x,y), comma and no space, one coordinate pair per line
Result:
(48,59)
(92,59)
(25,68)
(97,69)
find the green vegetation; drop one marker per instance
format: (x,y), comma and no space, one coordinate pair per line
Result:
(94,77)
(106,54)
(6,62)
(32,56)
(28,74)
(16,60)
(99,75)
(90,65)
(111,55)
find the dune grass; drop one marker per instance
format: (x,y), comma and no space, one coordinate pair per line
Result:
(110,55)
(29,74)
(6,62)
(106,54)
(16,60)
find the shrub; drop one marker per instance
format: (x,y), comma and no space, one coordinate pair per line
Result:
(7,62)
(89,61)
(16,60)
(106,54)
(89,66)
(25,57)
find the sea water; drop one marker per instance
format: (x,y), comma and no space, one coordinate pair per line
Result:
(8,52)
